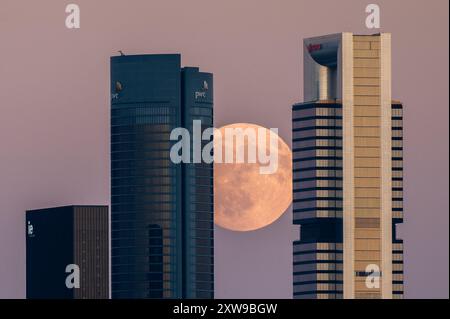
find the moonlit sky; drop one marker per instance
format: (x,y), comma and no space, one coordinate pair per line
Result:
(54,119)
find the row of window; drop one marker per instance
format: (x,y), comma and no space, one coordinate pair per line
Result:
(126,176)
(332,110)
(316,173)
(142,130)
(140,155)
(313,132)
(317,122)
(155,119)
(321,163)
(133,110)
(317,194)
(329,257)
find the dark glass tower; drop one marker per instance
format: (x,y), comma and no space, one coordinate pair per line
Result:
(161,212)
(62,236)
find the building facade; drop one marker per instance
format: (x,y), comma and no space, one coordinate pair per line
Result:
(67,250)
(348,187)
(161,212)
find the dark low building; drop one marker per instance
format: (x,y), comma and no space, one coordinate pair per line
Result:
(67,252)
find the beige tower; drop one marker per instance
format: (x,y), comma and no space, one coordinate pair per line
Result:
(360,143)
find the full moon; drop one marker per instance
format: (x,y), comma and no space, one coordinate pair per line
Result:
(245,199)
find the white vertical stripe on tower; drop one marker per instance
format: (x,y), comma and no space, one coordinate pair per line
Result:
(346,64)
(386,167)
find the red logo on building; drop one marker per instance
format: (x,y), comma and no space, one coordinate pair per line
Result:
(314,47)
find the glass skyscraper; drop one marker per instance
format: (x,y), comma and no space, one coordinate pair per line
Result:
(161,213)
(348,162)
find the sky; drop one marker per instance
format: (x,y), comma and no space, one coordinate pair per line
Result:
(54,113)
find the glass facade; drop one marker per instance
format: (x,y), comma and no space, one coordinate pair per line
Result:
(397,199)
(348,171)
(157,222)
(317,201)
(318,207)
(198,192)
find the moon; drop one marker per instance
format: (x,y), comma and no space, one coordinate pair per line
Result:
(245,199)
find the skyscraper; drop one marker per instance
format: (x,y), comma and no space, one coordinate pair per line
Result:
(68,252)
(348,187)
(161,212)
